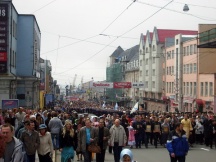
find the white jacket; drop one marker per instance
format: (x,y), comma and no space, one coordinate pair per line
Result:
(45,144)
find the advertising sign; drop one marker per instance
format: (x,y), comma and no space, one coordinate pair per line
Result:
(121,84)
(10,104)
(49,98)
(3,37)
(103,84)
(3,56)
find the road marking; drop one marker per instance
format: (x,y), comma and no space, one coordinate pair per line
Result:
(205,149)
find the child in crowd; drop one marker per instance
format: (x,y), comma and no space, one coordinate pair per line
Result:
(131,138)
(126,156)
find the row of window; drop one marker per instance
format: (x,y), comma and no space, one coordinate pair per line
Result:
(188,50)
(206,89)
(133,64)
(189,68)
(190,88)
(147,72)
(153,84)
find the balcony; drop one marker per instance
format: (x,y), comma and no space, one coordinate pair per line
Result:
(207,39)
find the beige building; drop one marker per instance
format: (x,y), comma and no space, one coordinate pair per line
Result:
(152,47)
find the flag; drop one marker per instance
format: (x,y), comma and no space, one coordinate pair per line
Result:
(135,108)
(103,106)
(116,106)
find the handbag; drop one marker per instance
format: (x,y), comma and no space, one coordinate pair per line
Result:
(94,148)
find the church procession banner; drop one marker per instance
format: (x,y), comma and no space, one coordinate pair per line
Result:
(118,85)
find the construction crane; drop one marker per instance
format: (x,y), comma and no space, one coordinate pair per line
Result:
(81,83)
(74,81)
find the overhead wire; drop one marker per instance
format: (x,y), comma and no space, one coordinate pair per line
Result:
(118,17)
(88,58)
(118,37)
(44,6)
(185,13)
(146,18)
(81,40)
(194,5)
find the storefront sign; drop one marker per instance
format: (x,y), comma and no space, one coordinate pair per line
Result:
(103,84)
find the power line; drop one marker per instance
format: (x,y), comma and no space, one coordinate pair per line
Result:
(117,17)
(195,5)
(176,11)
(89,57)
(118,37)
(44,6)
(146,18)
(81,40)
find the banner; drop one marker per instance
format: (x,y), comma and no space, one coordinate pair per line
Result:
(103,84)
(121,84)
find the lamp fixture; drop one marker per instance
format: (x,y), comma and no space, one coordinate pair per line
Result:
(185,8)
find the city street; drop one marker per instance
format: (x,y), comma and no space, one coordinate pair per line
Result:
(198,153)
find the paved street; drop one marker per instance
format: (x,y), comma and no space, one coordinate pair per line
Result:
(199,153)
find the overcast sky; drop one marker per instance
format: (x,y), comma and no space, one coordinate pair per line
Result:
(71,29)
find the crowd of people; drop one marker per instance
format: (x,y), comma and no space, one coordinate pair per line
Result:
(70,129)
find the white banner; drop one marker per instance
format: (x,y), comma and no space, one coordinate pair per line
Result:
(137,85)
(103,84)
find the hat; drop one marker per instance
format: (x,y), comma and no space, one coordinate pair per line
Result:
(126,152)
(42,126)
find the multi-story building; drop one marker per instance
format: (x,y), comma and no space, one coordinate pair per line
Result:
(130,61)
(180,77)
(152,57)
(114,73)
(19,56)
(206,89)
(190,71)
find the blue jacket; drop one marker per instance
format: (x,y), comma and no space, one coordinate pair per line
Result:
(177,144)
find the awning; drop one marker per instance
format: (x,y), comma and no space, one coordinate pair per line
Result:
(199,101)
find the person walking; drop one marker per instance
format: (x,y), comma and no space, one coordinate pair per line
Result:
(138,127)
(118,139)
(55,125)
(45,149)
(31,141)
(187,125)
(177,144)
(87,135)
(13,147)
(165,127)
(103,137)
(67,142)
